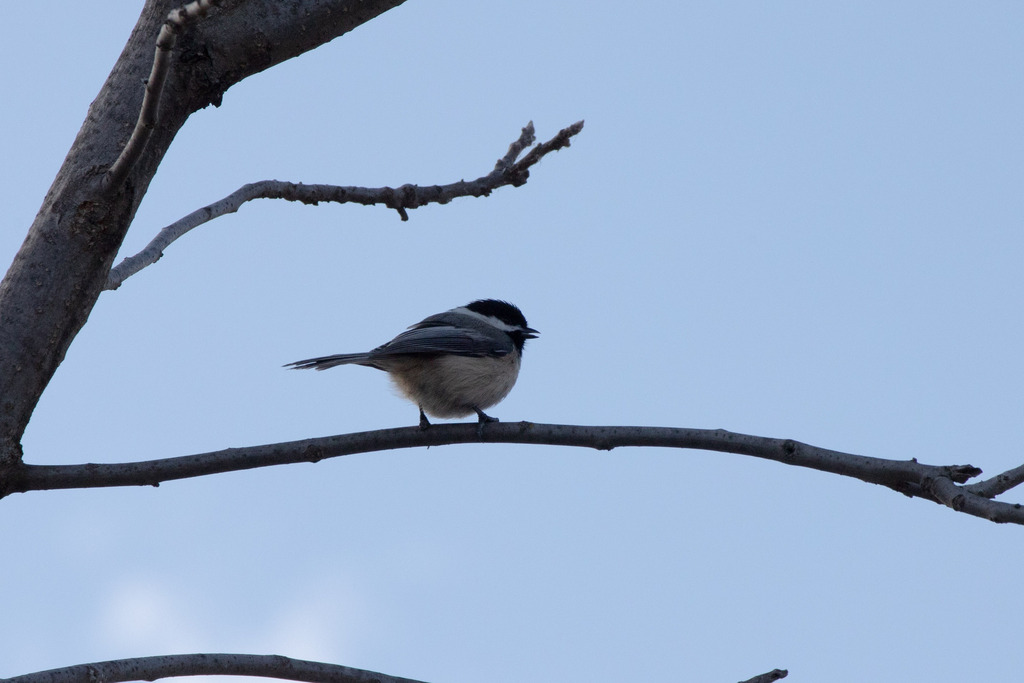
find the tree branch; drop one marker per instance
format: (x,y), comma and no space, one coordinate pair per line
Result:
(175,23)
(60,269)
(1001,483)
(932,482)
(263,666)
(152,668)
(507,171)
(773,675)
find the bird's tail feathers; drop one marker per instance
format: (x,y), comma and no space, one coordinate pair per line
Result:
(325,362)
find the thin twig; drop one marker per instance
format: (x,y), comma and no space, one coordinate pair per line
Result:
(176,22)
(507,171)
(167,666)
(526,138)
(554,144)
(909,477)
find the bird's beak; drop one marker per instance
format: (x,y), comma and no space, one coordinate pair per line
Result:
(530,333)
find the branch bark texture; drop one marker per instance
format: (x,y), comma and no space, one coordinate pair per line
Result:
(175,23)
(167,666)
(938,483)
(57,275)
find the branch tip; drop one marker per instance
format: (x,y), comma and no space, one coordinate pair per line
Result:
(962,473)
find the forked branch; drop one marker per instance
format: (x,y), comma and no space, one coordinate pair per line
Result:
(938,483)
(509,170)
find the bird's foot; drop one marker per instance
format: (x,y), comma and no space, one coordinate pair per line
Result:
(484,419)
(424,422)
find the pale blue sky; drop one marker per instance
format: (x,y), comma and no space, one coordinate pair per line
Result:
(797,220)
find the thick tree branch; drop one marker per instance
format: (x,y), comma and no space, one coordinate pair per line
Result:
(167,666)
(57,275)
(509,170)
(936,483)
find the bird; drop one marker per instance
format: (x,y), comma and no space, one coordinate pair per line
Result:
(450,364)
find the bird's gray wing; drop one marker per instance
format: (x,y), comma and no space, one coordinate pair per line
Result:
(432,338)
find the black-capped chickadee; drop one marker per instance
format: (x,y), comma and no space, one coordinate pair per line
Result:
(451,364)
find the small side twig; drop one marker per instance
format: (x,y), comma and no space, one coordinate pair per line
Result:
(999,484)
(176,22)
(507,171)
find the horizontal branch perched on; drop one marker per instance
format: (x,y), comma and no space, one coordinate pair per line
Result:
(938,483)
(509,170)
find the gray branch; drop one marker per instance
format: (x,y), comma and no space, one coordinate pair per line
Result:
(176,22)
(167,666)
(773,675)
(938,483)
(509,170)
(264,666)
(1001,483)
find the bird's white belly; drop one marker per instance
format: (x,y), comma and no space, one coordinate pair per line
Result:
(457,386)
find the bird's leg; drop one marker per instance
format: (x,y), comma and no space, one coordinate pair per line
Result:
(484,417)
(424,422)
